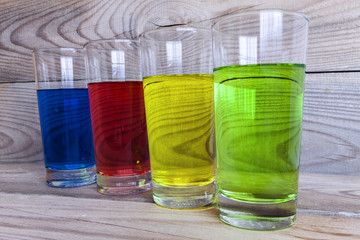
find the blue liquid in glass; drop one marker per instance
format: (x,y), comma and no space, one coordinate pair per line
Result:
(66,128)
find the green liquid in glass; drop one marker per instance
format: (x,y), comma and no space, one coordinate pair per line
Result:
(258,121)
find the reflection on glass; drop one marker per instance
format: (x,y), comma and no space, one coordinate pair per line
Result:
(118,64)
(174,54)
(247,50)
(67,71)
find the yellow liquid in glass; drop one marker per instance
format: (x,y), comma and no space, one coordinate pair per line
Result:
(179,115)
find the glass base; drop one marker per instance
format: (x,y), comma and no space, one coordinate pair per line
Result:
(71,178)
(257,216)
(116,185)
(184,197)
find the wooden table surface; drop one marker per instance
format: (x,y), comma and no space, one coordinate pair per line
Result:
(328,208)
(329,204)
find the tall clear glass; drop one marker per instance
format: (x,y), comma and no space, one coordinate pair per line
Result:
(178,92)
(118,116)
(259,72)
(64,116)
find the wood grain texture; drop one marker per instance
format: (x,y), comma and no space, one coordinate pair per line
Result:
(334,37)
(331,124)
(57,217)
(20,136)
(331,129)
(29,179)
(328,205)
(325,194)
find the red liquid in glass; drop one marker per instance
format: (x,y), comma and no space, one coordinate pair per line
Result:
(119,128)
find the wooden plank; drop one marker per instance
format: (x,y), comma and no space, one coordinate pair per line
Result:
(20,136)
(327,194)
(29,178)
(334,36)
(331,124)
(331,129)
(332,195)
(56,217)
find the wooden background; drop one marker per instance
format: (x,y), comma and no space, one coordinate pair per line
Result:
(329,201)
(331,130)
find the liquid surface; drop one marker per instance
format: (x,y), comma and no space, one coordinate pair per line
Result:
(179,110)
(66,128)
(119,128)
(258,116)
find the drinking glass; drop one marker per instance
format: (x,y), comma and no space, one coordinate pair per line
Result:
(64,116)
(259,72)
(118,116)
(178,92)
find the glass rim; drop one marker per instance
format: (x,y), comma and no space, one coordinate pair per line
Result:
(52,50)
(145,36)
(299,15)
(113,40)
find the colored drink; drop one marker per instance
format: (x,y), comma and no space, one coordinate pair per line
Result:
(119,128)
(66,128)
(259,71)
(178,91)
(118,117)
(179,110)
(258,111)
